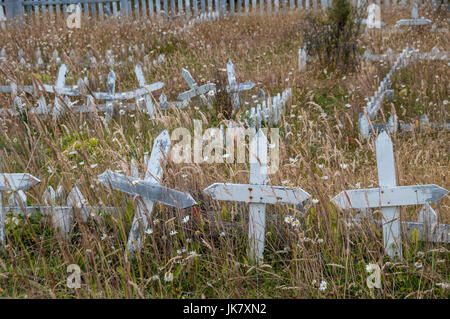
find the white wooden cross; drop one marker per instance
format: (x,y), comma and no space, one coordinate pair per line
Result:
(195,90)
(147,98)
(234,87)
(12,182)
(389,196)
(257,194)
(149,190)
(155,169)
(414,21)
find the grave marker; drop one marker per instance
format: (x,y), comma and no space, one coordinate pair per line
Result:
(147,98)
(195,90)
(12,182)
(257,194)
(414,21)
(389,196)
(155,169)
(234,87)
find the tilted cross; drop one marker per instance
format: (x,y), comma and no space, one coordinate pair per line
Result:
(147,98)
(234,87)
(257,194)
(149,190)
(195,90)
(389,196)
(12,182)
(155,167)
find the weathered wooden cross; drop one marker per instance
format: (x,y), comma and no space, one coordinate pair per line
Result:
(155,169)
(257,194)
(147,98)
(414,21)
(149,190)
(388,196)
(195,90)
(12,182)
(234,87)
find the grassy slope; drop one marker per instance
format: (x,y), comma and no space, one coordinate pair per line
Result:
(317,127)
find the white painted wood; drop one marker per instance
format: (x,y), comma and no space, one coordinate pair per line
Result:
(18,201)
(111,87)
(60,81)
(302,59)
(17,181)
(389,196)
(262,194)
(257,212)
(61,217)
(387,178)
(147,98)
(257,194)
(232,84)
(234,87)
(195,90)
(146,189)
(76,200)
(155,169)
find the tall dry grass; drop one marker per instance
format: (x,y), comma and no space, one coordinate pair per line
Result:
(320,151)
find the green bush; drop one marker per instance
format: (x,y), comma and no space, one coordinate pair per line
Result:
(334,38)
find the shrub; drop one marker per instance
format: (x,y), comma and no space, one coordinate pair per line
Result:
(334,39)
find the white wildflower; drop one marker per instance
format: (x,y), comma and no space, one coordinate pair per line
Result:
(323,285)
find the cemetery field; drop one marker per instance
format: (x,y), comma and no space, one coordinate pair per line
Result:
(313,250)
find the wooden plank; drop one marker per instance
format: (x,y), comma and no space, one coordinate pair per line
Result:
(389,196)
(146,189)
(155,169)
(262,194)
(257,212)
(76,200)
(387,178)
(438,233)
(61,217)
(17,181)
(111,86)
(147,98)
(58,108)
